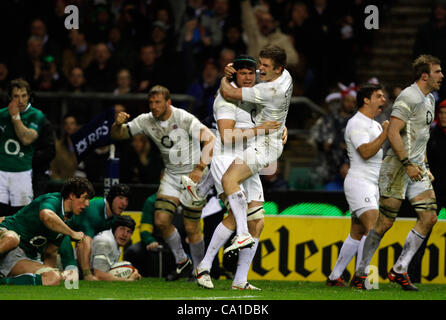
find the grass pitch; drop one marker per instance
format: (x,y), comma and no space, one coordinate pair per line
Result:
(159,289)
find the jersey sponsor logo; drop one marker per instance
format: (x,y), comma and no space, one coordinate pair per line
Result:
(38,241)
(3,128)
(12,147)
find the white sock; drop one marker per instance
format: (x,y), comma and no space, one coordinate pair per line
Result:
(245,257)
(238,204)
(205,185)
(411,246)
(348,250)
(360,250)
(197,252)
(219,237)
(174,242)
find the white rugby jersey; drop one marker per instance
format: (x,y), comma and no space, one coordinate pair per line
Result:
(417,111)
(243,113)
(104,251)
(361,129)
(177,138)
(273,97)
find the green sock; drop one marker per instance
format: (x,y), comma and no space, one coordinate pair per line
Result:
(23,279)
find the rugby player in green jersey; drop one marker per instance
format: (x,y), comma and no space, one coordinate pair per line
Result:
(29,240)
(20,126)
(97,217)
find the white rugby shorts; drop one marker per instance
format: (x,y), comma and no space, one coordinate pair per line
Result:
(362,195)
(16,188)
(251,186)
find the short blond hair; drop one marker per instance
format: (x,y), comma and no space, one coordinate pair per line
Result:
(423,64)
(159,90)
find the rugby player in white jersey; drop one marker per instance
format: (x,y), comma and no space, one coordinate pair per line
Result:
(236,130)
(178,135)
(364,138)
(405,173)
(273,96)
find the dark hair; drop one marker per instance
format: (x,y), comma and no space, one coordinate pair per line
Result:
(276,54)
(366,91)
(123,221)
(423,64)
(118,190)
(244,61)
(20,84)
(77,186)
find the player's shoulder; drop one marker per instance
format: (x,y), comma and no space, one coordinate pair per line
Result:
(104,238)
(410,96)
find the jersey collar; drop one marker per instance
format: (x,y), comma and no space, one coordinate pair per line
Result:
(27,108)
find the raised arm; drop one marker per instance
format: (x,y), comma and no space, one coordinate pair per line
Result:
(24,134)
(119,131)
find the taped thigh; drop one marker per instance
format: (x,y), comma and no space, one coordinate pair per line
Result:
(387,211)
(192,214)
(425,205)
(48,269)
(255,213)
(166,205)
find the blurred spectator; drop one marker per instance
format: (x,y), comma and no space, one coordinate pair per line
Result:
(274,182)
(39,70)
(430,39)
(437,157)
(50,48)
(204,91)
(144,162)
(64,165)
(4,83)
(133,25)
(95,162)
(328,136)
(232,39)
(200,29)
(79,54)
(226,57)
(44,153)
(124,53)
(147,72)
(221,10)
(80,108)
(101,71)
(101,22)
(123,82)
(263,30)
(338,183)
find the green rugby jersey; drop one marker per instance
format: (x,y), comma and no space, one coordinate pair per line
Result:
(14,156)
(93,219)
(27,224)
(147,219)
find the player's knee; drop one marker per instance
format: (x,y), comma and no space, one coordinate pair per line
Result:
(10,239)
(192,228)
(429,220)
(51,278)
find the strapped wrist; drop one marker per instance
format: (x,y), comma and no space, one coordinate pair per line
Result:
(16,117)
(405,161)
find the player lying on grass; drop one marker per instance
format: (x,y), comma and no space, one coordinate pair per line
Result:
(37,230)
(105,251)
